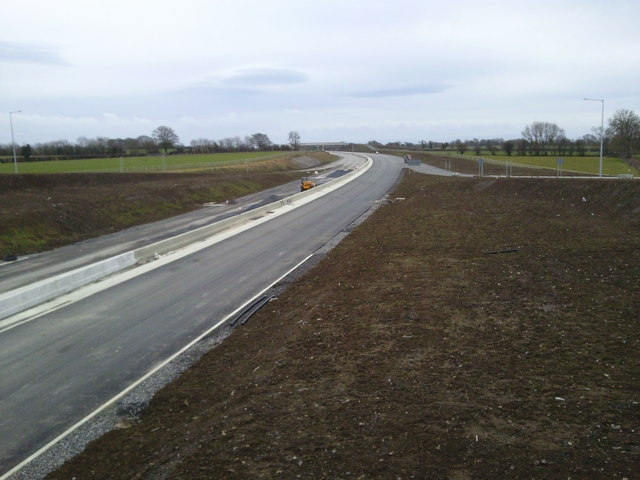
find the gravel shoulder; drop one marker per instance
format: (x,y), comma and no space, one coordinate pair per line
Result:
(470,329)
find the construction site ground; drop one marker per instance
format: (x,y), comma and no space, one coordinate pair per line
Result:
(471,328)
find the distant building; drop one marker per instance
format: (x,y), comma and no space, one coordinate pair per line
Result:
(324,146)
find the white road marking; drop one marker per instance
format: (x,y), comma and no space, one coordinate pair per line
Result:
(155,369)
(117,278)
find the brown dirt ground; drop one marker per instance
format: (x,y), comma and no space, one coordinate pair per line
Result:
(40,212)
(412,352)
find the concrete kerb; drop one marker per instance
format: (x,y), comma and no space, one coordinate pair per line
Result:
(22,298)
(149,252)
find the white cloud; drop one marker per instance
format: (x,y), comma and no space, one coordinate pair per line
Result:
(388,70)
(264,77)
(71,127)
(29,53)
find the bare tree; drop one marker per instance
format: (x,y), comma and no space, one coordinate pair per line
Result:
(165,137)
(294,140)
(624,130)
(564,146)
(533,135)
(541,136)
(522,146)
(239,144)
(492,146)
(204,145)
(508,147)
(261,141)
(226,144)
(477,146)
(552,135)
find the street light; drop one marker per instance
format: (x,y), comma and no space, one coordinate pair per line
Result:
(601,127)
(13,142)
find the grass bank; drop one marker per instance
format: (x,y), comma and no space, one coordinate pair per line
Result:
(589,165)
(524,164)
(155,163)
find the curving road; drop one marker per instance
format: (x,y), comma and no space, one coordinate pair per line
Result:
(31,268)
(60,367)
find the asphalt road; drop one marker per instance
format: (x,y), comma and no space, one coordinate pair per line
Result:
(61,366)
(31,268)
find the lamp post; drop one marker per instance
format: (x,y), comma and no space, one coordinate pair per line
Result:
(601,127)
(13,142)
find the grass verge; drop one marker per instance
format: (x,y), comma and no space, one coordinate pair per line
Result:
(524,165)
(155,163)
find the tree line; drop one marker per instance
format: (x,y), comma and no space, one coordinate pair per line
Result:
(162,140)
(621,138)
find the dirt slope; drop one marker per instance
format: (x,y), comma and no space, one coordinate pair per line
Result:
(414,351)
(40,212)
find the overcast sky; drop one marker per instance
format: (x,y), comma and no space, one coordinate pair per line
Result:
(352,70)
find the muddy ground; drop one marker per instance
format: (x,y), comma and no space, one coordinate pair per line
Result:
(414,350)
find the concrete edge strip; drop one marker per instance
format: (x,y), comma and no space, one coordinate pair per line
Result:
(20,299)
(174,243)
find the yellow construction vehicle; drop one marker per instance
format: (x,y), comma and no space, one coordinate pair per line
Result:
(306,184)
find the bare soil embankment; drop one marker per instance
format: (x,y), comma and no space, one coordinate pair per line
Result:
(414,351)
(40,212)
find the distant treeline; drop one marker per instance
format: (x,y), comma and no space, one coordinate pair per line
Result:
(498,146)
(621,138)
(103,147)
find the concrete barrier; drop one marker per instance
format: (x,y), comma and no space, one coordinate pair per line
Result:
(22,298)
(19,299)
(179,241)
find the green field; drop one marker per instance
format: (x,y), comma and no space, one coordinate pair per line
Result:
(590,164)
(143,164)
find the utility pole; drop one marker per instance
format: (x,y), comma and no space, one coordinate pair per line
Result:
(13,142)
(601,128)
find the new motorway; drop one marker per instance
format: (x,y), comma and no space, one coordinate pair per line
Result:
(61,366)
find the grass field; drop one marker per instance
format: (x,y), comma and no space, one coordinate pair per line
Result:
(610,166)
(143,164)
(590,164)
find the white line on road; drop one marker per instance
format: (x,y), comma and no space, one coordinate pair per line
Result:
(108,282)
(119,277)
(154,370)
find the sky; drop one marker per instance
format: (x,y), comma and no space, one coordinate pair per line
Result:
(331,70)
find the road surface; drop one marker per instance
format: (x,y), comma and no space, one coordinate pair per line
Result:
(60,367)
(31,268)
